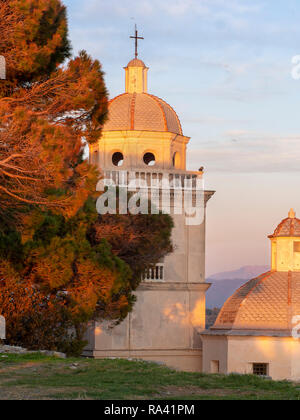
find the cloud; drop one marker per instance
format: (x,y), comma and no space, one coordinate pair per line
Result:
(249,152)
(236,133)
(230,11)
(220,63)
(213,8)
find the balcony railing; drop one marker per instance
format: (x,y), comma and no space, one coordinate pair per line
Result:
(154,179)
(155,273)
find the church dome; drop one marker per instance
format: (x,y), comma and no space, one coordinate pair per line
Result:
(267,303)
(289,227)
(136,109)
(142,112)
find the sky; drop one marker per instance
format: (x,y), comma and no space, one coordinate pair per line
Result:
(226,68)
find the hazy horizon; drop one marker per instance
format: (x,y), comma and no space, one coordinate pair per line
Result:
(225,67)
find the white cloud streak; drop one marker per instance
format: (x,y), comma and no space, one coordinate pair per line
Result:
(249,152)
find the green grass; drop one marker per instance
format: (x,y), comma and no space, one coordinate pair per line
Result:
(40,377)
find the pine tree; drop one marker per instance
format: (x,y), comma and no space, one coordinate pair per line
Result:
(34,38)
(46,110)
(141,240)
(60,264)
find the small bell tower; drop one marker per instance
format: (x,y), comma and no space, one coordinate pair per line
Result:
(285,244)
(136,75)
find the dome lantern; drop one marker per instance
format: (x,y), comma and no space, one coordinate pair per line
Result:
(136,77)
(285,243)
(292,214)
(136,71)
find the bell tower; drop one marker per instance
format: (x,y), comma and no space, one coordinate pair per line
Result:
(143,141)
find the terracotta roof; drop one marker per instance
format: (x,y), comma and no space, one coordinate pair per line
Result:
(141,111)
(136,63)
(268,302)
(288,227)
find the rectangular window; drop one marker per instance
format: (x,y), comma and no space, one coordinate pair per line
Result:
(296,246)
(260,369)
(215,366)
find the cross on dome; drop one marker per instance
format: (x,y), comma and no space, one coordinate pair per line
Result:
(136,38)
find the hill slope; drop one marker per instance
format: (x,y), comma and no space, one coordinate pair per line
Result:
(226,283)
(35,377)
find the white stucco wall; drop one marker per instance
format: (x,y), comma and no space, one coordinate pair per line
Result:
(237,354)
(215,348)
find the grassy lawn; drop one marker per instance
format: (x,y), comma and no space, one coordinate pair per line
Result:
(39,377)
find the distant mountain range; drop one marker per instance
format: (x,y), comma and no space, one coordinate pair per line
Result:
(225,284)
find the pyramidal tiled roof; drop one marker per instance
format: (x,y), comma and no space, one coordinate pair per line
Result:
(268,302)
(288,227)
(142,112)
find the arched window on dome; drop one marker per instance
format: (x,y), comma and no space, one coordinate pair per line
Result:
(176,160)
(149,159)
(117,159)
